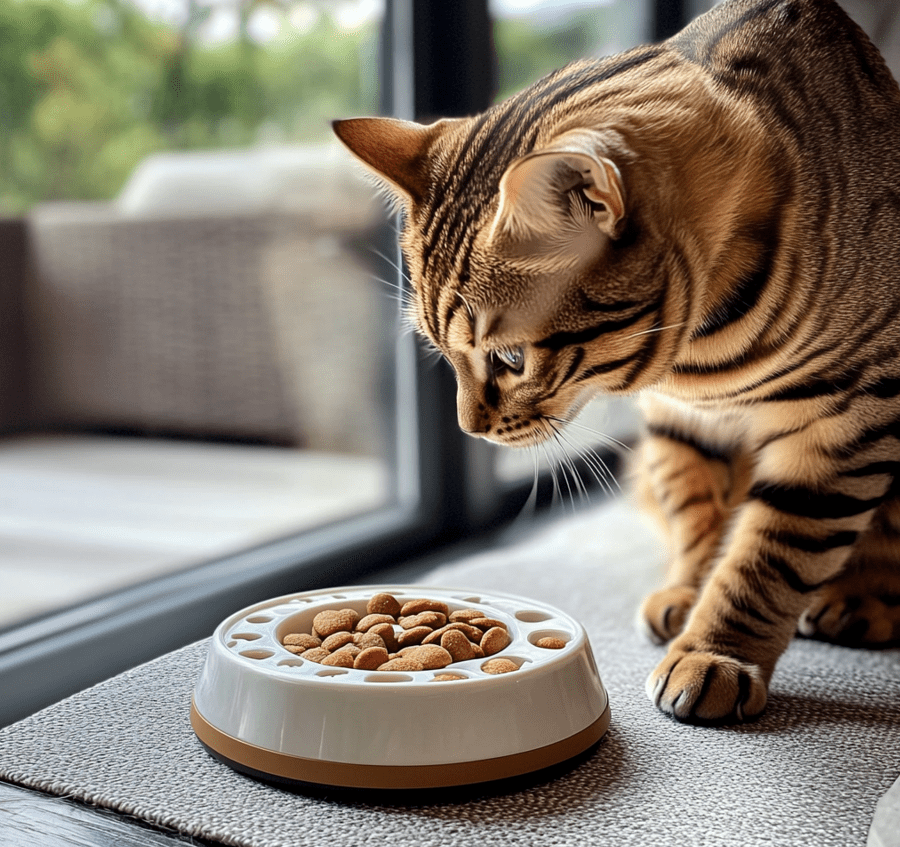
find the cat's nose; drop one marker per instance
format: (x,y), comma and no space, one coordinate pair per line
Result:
(472,414)
(483,430)
(473,422)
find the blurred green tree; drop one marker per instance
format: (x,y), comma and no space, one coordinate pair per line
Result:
(88,89)
(528,50)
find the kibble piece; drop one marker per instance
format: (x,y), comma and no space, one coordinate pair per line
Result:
(366,623)
(457,645)
(494,640)
(351,648)
(549,642)
(385,632)
(495,666)
(434,637)
(337,640)
(383,604)
(401,664)
(316,654)
(429,619)
(413,636)
(431,657)
(341,659)
(368,639)
(335,620)
(485,624)
(296,649)
(415,607)
(471,632)
(445,677)
(371,658)
(465,615)
(301,639)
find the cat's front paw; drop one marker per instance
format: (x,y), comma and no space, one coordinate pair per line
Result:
(662,614)
(707,688)
(836,615)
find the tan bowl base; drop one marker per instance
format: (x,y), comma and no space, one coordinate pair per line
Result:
(344,775)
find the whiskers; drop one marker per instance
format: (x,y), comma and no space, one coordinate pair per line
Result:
(574,456)
(402,293)
(653,329)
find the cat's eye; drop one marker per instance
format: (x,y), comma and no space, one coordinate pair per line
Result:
(512,358)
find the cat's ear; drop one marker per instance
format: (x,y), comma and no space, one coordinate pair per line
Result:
(535,192)
(396,151)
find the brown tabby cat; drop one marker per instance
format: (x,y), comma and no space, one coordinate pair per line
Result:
(713,223)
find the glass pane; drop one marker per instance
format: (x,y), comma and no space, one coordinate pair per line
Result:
(533,38)
(208,350)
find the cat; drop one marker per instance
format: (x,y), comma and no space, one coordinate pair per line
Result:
(712,224)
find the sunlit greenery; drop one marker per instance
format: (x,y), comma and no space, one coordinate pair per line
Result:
(528,52)
(87,90)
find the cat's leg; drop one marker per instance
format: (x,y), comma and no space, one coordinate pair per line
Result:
(690,477)
(861,606)
(812,496)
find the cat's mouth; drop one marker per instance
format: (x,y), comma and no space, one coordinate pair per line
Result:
(520,431)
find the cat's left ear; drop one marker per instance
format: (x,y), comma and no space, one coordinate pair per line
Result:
(396,151)
(533,190)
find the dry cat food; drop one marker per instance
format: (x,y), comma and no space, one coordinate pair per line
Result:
(417,635)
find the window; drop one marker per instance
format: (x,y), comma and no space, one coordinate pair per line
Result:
(205,321)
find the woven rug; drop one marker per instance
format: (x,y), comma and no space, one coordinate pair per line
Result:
(809,772)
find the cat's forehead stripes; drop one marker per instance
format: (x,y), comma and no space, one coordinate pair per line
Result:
(500,135)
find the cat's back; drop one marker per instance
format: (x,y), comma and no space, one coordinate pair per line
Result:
(804,61)
(824,96)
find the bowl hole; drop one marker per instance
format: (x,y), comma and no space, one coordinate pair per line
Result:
(331,672)
(291,663)
(286,610)
(387,677)
(469,599)
(257,654)
(518,661)
(556,634)
(246,636)
(532,616)
(232,644)
(259,619)
(339,596)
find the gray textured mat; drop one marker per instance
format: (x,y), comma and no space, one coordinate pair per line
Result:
(808,773)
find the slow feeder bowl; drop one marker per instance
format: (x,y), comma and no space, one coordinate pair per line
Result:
(269,713)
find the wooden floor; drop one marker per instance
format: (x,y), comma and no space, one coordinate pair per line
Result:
(80,516)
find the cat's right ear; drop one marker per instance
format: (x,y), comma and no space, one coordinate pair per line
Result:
(533,207)
(395,151)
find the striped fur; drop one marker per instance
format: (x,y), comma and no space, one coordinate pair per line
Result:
(713,224)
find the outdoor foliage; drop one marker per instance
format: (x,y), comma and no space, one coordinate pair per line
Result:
(89,89)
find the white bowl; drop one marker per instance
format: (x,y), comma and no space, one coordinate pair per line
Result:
(268,712)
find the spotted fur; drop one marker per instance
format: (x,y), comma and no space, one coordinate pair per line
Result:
(712,224)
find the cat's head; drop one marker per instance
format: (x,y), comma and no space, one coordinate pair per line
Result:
(530,267)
